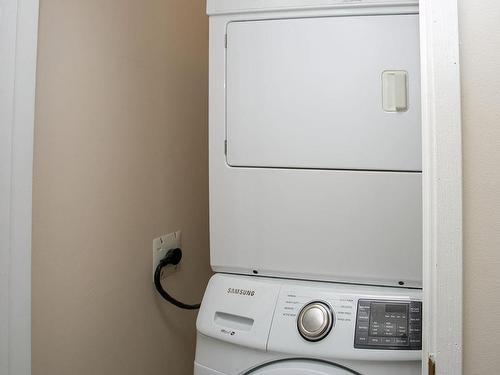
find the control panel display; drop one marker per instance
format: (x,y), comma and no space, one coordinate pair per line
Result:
(388,325)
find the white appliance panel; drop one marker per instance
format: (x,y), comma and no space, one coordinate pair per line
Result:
(308,93)
(346,226)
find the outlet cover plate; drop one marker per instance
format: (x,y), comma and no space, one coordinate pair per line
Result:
(161,246)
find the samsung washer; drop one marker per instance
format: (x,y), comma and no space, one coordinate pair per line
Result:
(266,326)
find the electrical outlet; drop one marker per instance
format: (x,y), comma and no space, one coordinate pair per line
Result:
(160,247)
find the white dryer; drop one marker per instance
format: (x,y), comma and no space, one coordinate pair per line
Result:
(315,145)
(257,325)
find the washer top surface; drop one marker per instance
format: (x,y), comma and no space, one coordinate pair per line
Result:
(300,367)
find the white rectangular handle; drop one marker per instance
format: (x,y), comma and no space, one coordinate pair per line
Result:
(394,91)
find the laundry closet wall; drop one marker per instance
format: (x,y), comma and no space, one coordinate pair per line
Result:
(120,158)
(480,64)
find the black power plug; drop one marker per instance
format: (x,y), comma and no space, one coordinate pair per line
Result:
(173,257)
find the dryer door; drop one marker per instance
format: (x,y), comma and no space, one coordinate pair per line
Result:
(310,93)
(301,367)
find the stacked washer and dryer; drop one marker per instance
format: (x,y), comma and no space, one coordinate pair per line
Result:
(315,189)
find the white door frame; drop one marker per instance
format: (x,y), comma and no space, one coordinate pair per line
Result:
(442,183)
(18,42)
(442,186)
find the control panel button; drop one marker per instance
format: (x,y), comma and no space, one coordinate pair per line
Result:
(388,341)
(362,339)
(415,330)
(315,321)
(363,317)
(362,327)
(400,341)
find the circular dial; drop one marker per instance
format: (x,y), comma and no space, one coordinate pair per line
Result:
(315,321)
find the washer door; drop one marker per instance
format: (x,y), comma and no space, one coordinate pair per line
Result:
(301,367)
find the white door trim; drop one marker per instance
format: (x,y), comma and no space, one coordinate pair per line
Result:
(18,42)
(442,185)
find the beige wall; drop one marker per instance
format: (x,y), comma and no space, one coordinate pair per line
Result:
(480,62)
(120,157)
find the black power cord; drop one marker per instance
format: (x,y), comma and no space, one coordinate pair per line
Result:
(173,257)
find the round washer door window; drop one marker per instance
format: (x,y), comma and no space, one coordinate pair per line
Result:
(301,367)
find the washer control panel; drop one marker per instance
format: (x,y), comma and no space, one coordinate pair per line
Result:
(382,324)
